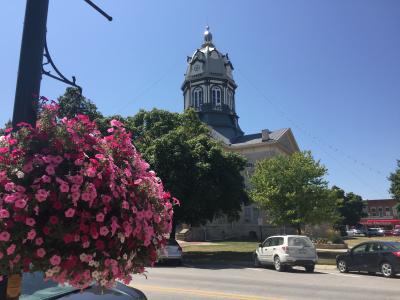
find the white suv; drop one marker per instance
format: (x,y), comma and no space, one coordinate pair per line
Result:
(286,250)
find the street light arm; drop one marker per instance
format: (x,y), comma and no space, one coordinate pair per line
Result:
(102,12)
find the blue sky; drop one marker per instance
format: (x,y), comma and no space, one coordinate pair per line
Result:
(330,70)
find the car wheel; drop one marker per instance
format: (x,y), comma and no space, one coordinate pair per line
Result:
(387,269)
(310,268)
(278,265)
(257,263)
(342,266)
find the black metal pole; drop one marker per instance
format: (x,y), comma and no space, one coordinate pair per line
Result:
(3,288)
(30,62)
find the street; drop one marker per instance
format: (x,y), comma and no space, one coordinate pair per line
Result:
(240,282)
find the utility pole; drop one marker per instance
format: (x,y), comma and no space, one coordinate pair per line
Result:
(30,62)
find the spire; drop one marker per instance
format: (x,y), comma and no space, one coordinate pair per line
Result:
(208,37)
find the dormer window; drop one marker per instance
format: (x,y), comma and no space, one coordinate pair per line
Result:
(216,96)
(197,97)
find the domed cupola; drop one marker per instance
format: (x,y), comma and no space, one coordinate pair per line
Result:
(209,88)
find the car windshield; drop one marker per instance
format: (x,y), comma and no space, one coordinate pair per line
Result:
(299,241)
(395,245)
(35,288)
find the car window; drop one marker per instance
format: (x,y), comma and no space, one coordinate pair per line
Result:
(360,249)
(279,241)
(375,247)
(299,242)
(267,242)
(274,241)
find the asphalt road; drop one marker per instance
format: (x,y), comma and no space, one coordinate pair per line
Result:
(245,283)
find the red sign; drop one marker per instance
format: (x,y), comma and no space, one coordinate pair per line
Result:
(380,221)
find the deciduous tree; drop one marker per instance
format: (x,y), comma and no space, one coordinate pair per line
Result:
(292,190)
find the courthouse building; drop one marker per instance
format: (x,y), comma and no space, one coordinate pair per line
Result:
(209,88)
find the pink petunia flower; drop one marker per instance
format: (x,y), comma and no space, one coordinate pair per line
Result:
(50,170)
(31,234)
(41,195)
(70,212)
(30,221)
(40,252)
(20,203)
(85,196)
(39,241)
(9,186)
(46,179)
(75,188)
(55,260)
(64,188)
(100,217)
(11,249)
(10,198)
(91,172)
(53,220)
(4,213)
(5,236)
(104,231)
(115,123)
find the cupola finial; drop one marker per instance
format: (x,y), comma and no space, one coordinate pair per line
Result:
(207,36)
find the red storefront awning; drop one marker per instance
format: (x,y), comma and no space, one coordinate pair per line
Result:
(380,221)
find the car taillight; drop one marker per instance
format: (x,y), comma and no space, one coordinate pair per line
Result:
(397,253)
(285,249)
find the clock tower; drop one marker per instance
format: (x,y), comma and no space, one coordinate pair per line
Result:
(209,89)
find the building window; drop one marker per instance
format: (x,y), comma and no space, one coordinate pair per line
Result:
(229,100)
(197,97)
(380,211)
(216,96)
(387,209)
(247,214)
(373,211)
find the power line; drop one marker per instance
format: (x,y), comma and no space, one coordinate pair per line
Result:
(316,139)
(146,89)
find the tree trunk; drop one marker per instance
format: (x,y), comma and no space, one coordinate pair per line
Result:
(299,229)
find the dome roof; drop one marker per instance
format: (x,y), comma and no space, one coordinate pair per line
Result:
(209,62)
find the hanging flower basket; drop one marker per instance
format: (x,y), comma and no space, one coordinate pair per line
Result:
(77,205)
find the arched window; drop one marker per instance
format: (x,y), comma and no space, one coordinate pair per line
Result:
(197,97)
(216,96)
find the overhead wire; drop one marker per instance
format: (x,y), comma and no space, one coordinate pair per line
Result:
(316,140)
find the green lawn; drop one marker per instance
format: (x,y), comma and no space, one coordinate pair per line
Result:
(233,252)
(220,252)
(352,241)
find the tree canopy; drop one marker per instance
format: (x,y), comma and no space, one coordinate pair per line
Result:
(394,179)
(73,103)
(193,166)
(292,190)
(349,207)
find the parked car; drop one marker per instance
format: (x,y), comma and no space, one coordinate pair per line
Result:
(172,252)
(355,232)
(396,232)
(34,287)
(286,250)
(376,256)
(375,232)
